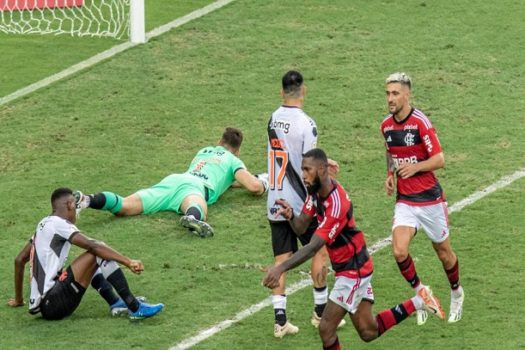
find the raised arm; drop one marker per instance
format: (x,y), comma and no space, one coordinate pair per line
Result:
(256,185)
(299,223)
(20,262)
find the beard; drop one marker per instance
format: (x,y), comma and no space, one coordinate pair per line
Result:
(315,186)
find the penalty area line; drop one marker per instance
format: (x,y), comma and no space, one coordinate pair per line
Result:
(112,52)
(207,333)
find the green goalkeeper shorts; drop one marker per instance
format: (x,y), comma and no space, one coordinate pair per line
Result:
(168,194)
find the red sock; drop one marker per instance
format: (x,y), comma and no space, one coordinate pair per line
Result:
(408,270)
(387,319)
(334,346)
(453,275)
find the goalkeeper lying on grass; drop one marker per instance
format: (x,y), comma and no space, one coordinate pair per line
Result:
(212,171)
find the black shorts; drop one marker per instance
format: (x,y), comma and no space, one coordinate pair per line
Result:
(284,239)
(63,298)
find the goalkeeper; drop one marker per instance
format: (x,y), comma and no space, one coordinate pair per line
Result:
(212,171)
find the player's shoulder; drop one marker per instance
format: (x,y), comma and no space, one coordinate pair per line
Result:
(388,122)
(421,118)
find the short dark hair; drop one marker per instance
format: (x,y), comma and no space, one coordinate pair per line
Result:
(292,82)
(232,137)
(60,193)
(317,154)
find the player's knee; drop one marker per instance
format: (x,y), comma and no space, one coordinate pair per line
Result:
(367,334)
(327,332)
(319,275)
(400,253)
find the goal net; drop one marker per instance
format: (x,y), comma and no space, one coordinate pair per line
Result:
(95,18)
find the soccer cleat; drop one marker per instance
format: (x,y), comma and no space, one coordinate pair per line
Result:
(120,307)
(288,328)
(456,307)
(145,310)
(80,201)
(431,302)
(422,316)
(198,227)
(316,320)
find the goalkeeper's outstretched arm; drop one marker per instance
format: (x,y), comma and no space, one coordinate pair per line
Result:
(257,184)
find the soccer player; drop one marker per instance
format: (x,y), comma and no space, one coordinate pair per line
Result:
(352,292)
(413,152)
(291,132)
(56,292)
(213,170)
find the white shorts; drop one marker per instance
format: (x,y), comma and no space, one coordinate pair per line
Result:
(433,218)
(348,292)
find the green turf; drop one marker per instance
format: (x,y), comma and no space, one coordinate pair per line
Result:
(27,59)
(124,124)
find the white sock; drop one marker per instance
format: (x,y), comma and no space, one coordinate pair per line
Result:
(321,297)
(419,287)
(418,302)
(279,301)
(457,292)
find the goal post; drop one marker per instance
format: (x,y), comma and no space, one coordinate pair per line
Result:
(118,19)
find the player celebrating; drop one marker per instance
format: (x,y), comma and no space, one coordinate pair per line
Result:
(290,134)
(211,172)
(413,152)
(352,292)
(55,292)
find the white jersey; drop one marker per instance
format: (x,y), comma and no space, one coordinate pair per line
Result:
(49,251)
(291,133)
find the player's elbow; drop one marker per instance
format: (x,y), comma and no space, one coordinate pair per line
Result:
(21,260)
(93,246)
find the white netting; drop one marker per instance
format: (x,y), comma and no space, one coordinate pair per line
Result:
(99,18)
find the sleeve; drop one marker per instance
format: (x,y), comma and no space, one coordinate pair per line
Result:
(308,207)
(309,135)
(430,139)
(237,164)
(66,229)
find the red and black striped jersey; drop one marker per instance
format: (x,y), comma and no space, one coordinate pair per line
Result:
(413,140)
(345,242)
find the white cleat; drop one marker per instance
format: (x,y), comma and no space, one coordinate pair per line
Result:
(432,303)
(80,201)
(281,331)
(422,316)
(456,307)
(316,320)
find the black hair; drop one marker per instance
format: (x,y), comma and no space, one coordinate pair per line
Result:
(60,193)
(317,154)
(292,82)
(232,137)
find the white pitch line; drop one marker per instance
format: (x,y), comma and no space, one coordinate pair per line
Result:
(112,52)
(205,334)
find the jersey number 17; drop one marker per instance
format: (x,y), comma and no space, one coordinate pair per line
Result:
(279,158)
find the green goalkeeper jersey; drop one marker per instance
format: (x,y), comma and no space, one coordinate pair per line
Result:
(216,167)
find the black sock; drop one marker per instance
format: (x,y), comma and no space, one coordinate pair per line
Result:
(104,289)
(118,281)
(280,316)
(195,212)
(97,201)
(319,308)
